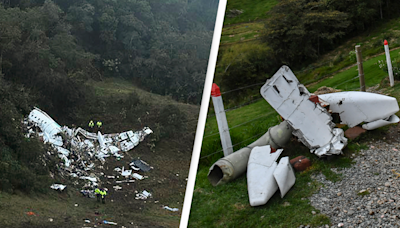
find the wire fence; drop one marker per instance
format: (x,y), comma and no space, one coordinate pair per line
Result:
(254,136)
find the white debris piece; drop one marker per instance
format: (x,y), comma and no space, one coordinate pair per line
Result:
(47,125)
(311,123)
(137,176)
(143,195)
(355,107)
(92,179)
(264,175)
(126,173)
(58,186)
(171,209)
(116,187)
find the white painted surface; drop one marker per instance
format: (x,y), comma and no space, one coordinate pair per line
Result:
(261,183)
(380,123)
(222,125)
(389,65)
(355,107)
(284,176)
(311,123)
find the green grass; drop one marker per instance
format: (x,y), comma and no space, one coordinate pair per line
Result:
(241,32)
(346,80)
(252,10)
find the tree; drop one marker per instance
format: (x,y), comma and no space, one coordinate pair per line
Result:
(297,29)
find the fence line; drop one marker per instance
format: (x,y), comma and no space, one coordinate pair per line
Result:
(237,106)
(240,88)
(216,133)
(208,155)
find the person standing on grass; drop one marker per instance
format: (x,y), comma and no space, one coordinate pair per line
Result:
(91,125)
(97,191)
(99,124)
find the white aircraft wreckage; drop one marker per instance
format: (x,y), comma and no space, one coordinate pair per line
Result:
(78,148)
(310,119)
(311,123)
(264,175)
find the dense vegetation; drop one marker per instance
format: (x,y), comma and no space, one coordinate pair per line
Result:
(51,52)
(297,33)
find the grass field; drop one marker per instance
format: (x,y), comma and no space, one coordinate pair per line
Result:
(252,10)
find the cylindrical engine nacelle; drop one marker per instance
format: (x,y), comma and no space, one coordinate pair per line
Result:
(235,164)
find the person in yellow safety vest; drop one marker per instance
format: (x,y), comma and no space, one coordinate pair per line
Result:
(99,123)
(97,193)
(91,124)
(101,193)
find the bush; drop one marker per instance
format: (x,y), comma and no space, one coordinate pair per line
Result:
(173,122)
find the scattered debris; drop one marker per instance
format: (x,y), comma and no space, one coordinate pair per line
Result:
(171,209)
(78,149)
(30,213)
(58,187)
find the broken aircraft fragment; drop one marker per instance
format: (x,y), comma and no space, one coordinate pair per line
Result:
(265,176)
(138,164)
(311,123)
(235,164)
(356,107)
(58,186)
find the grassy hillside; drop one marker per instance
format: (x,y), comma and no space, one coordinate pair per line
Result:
(252,10)
(227,205)
(169,152)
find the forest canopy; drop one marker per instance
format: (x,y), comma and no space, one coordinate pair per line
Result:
(162,46)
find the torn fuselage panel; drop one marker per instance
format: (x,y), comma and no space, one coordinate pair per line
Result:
(265,176)
(312,123)
(355,107)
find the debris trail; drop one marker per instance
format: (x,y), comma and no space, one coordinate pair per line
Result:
(79,149)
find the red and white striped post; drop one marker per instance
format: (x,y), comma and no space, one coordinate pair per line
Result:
(389,63)
(221,120)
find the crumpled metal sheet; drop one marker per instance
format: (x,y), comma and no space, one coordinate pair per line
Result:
(142,165)
(355,107)
(312,123)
